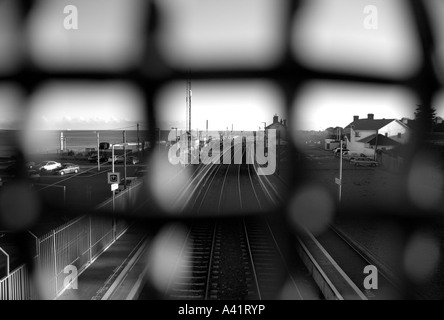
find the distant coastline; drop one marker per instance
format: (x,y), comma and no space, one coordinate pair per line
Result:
(74,141)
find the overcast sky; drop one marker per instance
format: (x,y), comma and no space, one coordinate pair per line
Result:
(86,106)
(243,104)
(324,104)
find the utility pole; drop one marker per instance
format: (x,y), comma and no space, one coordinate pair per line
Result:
(124,158)
(265,130)
(339,182)
(188,102)
(138,140)
(376,146)
(98,151)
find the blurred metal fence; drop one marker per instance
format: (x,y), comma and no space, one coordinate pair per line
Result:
(77,243)
(17,286)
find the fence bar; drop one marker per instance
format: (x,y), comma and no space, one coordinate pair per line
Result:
(7,261)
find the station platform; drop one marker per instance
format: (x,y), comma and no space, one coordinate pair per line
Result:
(98,280)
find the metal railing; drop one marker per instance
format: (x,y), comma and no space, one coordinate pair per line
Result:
(77,243)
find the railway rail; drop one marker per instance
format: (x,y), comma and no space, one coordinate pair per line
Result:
(230,259)
(243,257)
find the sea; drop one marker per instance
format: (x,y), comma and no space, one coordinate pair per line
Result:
(50,141)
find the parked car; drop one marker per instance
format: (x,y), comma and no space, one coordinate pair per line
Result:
(93,158)
(48,165)
(117,159)
(364,161)
(336,151)
(350,155)
(132,160)
(121,159)
(67,168)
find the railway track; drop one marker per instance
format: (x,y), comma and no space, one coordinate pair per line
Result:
(229,258)
(235,259)
(348,257)
(239,258)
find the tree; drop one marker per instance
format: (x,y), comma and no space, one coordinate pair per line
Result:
(425,117)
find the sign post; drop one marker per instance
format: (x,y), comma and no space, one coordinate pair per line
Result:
(113,179)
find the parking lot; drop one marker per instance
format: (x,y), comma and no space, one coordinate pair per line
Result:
(361,186)
(87,188)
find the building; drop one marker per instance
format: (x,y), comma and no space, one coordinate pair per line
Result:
(330,144)
(280,126)
(367,135)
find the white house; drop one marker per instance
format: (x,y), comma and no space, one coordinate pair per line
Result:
(367,135)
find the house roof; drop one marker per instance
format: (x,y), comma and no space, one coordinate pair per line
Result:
(369,124)
(276,125)
(382,140)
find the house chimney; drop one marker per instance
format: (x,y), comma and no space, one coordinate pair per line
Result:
(275,118)
(370,116)
(355,118)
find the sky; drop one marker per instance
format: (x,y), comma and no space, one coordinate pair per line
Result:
(86,106)
(324,104)
(243,104)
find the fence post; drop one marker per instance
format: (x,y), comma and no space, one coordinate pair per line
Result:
(37,243)
(8,279)
(7,261)
(55,259)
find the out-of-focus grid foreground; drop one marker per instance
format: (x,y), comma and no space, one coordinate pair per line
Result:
(148,44)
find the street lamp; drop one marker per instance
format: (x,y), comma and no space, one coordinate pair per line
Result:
(265,129)
(98,151)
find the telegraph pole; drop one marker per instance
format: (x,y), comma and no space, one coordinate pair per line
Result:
(98,151)
(138,141)
(124,158)
(376,146)
(188,101)
(339,182)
